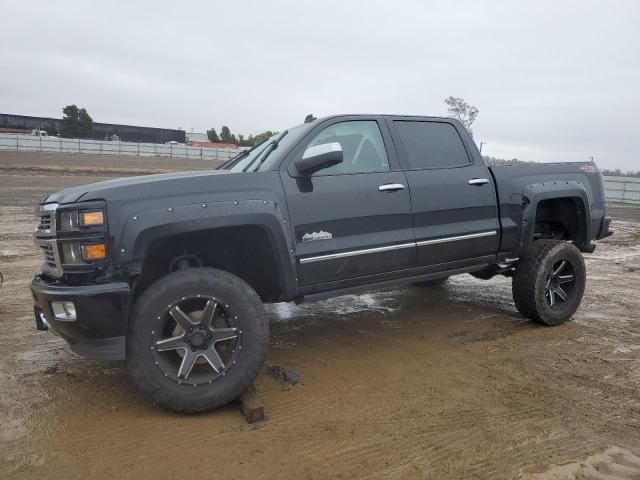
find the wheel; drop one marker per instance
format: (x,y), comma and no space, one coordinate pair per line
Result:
(432,283)
(549,282)
(197,339)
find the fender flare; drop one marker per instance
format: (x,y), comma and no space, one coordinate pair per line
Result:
(535,193)
(140,231)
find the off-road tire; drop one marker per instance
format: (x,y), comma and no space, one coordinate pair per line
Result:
(530,279)
(432,283)
(251,320)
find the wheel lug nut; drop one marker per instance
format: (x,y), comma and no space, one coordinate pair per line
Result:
(209,336)
(204,347)
(190,329)
(193,349)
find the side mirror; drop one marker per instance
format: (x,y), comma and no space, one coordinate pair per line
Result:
(319,157)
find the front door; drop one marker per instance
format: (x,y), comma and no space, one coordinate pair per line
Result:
(352,219)
(455,216)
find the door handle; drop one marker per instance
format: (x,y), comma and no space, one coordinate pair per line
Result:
(478,181)
(391,187)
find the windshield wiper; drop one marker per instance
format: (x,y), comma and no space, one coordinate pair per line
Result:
(262,156)
(236,158)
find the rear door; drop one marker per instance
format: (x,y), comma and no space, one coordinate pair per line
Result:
(353,219)
(454,208)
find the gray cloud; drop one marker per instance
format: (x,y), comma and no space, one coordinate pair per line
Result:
(553,80)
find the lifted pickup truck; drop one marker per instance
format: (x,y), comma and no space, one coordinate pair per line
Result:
(170,272)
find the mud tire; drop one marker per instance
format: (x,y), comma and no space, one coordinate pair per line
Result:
(251,319)
(531,276)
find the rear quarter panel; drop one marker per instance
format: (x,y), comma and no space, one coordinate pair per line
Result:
(520,188)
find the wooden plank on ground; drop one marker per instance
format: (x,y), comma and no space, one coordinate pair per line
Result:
(251,407)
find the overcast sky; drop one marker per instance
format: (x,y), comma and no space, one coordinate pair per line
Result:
(553,80)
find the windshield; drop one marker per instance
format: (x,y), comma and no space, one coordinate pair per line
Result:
(249,157)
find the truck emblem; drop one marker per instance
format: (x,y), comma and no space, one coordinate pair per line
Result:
(321,235)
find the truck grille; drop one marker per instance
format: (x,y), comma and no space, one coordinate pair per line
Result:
(49,256)
(44,238)
(45,222)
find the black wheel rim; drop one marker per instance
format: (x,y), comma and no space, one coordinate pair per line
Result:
(560,284)
(196,340)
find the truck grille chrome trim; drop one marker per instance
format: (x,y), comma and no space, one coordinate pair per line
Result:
(457,238)
(353,253)
(366,251)
(44,238)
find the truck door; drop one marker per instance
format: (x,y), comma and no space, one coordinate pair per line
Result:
(353,219)
(454,207)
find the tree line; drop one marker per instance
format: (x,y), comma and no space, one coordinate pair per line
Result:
(227,137)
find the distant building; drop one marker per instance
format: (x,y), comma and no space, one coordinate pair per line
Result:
(197,137)
(101,131)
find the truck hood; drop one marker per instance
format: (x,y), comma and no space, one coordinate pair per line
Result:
(139,187)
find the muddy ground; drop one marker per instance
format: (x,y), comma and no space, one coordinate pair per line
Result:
(447,382)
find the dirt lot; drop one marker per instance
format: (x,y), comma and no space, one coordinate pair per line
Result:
(447,382)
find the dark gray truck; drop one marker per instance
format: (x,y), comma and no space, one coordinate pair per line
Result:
(170,272)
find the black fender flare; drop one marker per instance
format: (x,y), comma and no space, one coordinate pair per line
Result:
(141,230)
(535,193)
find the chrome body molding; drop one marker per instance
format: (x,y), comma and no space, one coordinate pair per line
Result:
(457,238)
(353,253)
(366,251)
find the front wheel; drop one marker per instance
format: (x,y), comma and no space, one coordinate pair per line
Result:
(197,339)
(549,282)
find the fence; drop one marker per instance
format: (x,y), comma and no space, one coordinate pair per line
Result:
(622,189)
(34,143)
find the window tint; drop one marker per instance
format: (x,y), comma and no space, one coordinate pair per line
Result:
(431,144)
(362,147)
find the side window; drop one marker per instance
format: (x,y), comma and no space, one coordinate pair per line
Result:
(362,147)
(431,144)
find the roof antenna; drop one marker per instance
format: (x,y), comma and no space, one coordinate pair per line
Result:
(309,118)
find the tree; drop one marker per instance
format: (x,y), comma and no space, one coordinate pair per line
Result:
(461,110)
(261,137)
(76,122)
(212,135)
(225,135)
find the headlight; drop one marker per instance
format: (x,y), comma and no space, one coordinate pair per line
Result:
(72,253)
(92,218)
(95,251)
(77,253)
(71,220)
(68,220)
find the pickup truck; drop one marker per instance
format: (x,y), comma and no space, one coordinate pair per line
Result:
(170,272)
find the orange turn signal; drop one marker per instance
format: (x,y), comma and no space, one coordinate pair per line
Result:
(96,251)
(90,219)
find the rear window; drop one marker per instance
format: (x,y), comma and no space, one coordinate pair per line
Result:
(431,144)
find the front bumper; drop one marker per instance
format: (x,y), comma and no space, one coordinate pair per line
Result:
(102,316)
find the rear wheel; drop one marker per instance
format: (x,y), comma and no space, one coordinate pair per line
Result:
(197,339)
(549,281)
